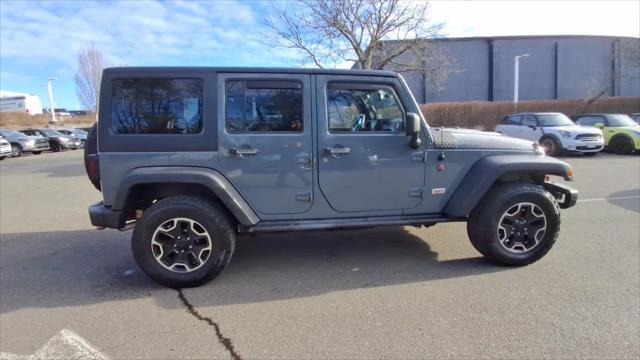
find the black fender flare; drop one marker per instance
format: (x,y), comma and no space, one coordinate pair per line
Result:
(209,178)
(484,173)
(621,135)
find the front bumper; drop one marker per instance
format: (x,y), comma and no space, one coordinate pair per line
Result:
(103,216)
(566,196)
(38,146)
(5,150)
(75,144)
(578,145)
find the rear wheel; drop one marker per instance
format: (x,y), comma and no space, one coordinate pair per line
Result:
(55,147)
(16,150)
(183,241)
(514,224)
(621,145)
(550,145)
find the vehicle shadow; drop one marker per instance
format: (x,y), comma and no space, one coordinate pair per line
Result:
(627,199)
(70,170)
(56,269)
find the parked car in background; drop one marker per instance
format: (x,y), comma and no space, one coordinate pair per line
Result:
(57,141)
(636,117)
(621,133)
(5,148)
(554,131)
(77,133)
(21,143)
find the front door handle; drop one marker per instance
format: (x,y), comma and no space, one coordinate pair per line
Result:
(244,150)
(338,150)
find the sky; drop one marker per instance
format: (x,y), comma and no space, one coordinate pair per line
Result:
(42,39)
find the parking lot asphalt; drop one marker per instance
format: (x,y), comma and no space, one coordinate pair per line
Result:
(385,293)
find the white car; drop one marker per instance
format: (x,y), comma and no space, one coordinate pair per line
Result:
(5,148)
(554,131)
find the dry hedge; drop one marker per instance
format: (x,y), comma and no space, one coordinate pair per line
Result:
(16,120)
(485,115)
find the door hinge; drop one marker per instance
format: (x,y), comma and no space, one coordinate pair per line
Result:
(418,156)
(416,192)
(306,196)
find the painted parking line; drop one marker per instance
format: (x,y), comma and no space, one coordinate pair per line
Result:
(611,198)
(64,345)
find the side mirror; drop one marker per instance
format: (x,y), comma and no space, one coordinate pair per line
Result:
(599,125)
(533,127)
(413,126)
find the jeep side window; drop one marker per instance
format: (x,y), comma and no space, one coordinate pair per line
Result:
(156,106)
(368,108)
(263,106)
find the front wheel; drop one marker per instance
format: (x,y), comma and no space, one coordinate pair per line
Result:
(551,146)
(183,241)
(621,145)
(514,224)
(16,150)
(55,147)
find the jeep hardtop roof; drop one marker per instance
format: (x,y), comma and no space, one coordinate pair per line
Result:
(174,69)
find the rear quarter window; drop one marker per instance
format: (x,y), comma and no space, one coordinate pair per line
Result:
(156,106)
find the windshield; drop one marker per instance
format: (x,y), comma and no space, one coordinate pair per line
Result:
(619,120)
(554,120)
(12,133)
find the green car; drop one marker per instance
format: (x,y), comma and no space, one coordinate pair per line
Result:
(621,133)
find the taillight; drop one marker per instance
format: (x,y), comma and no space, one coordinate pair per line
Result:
(93,169)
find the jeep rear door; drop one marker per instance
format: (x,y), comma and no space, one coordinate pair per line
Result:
(265,139)
(365,162)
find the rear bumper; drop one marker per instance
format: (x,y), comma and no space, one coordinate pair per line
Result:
(566,196)
(102,216)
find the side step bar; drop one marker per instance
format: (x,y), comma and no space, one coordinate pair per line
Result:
(273,226)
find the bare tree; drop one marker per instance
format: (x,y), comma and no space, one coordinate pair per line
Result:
(373,34)
(90,65)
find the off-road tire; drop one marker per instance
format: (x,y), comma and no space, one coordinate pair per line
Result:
(621,144)
(553,146)
(213,218)
(483,222)
(16,150)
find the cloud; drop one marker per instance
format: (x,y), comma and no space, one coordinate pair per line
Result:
(130,32)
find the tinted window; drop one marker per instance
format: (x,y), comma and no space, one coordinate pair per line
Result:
(156,106)
(512,120)
(554,120)
(259,106)
(529,120)
(589,120)
(364,110)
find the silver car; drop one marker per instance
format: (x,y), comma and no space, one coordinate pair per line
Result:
(5,148)
(21,143)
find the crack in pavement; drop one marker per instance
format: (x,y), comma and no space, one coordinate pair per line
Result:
(226,342)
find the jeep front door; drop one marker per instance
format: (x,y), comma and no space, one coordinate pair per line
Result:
(365,162)
(265,141)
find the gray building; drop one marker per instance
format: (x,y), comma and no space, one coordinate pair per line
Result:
(558,67)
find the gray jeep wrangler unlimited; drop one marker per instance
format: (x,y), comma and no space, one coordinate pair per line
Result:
(191,157)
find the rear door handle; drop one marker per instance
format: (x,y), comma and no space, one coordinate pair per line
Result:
(244,150)
(338,150)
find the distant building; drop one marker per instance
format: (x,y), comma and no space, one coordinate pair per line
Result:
(558,67)
(19,102)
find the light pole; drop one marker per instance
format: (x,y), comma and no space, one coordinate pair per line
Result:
(516,76)
(51,103)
